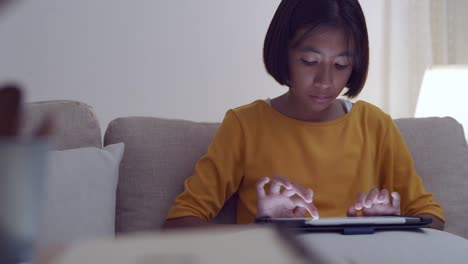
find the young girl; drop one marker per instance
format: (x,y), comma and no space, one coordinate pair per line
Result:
(307,152)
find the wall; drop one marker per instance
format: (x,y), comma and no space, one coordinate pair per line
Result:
(177,59)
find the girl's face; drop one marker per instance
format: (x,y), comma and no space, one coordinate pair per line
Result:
(319,67)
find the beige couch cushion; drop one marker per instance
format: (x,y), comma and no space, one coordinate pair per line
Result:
(161,153)
(82,178)
(75,124)
(440,152)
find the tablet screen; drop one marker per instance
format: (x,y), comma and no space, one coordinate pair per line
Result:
(377,220)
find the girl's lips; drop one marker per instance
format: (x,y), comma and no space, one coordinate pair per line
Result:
(320,99)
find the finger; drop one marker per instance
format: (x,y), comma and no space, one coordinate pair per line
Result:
(396,201)
(308,196)
(276,184)
(384,197)
(289,192)
(260,185)
(360,201)
(352,212)
(299,211)
(310,207)
(304,193)
(284,182)
(371,198)
(275,187)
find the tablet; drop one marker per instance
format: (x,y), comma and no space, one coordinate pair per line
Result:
(350,225)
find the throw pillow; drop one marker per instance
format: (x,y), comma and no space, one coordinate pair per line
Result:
(80,194)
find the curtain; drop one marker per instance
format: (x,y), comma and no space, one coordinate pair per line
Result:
(406,37)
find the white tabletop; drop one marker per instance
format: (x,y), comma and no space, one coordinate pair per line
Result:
(421,246)
(263,245)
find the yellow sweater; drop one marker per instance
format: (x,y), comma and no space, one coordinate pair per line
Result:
(337,159)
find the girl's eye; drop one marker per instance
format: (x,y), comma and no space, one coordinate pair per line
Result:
(306,62)
(340,66)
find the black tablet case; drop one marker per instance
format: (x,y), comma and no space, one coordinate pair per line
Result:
(347,229)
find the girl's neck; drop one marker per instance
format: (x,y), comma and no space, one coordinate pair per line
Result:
(286,106)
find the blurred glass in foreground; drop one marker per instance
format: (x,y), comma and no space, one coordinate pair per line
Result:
(22,180)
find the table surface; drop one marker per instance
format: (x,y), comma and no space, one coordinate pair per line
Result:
(417,246)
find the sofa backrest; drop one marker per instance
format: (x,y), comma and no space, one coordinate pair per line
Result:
(160,154)
(440,153)
(75,124)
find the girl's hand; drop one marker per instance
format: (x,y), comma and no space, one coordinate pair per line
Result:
(376,203)
(291,201)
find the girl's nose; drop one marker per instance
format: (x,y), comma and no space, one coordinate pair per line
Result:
(324,78)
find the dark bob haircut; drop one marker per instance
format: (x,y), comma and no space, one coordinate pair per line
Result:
(293,15)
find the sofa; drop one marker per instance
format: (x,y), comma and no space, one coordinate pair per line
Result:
(160,153)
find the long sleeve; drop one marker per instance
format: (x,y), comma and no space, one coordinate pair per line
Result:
(217,175)
(400,175)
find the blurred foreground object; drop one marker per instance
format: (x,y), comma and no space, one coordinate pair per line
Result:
(6,3)
(10,101)
(11,98)
(233,244)
(22,178)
